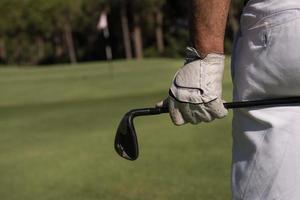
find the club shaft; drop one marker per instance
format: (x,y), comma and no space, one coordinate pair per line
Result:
(148,111)
(230,105)
(267,102)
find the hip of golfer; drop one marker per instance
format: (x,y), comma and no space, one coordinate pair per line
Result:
(265,64)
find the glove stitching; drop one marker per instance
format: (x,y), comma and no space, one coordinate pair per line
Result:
(179,86)
(201,74)
(173,96)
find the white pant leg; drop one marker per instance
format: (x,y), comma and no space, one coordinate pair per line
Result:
(266,141)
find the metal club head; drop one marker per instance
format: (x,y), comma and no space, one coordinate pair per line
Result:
(126,144)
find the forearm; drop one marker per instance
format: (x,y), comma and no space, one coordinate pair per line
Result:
(208,22)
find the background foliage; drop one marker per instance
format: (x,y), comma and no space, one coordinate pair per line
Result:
(54,31)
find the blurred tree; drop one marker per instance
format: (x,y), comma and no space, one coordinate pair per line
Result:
(65,16)
(176,27)
(234,15)
(123,6)
(125,29)
(155,7)
(39,24)
(137,8)
(11,22)
(3,28)
(39,32)
(140,10)
(233,24)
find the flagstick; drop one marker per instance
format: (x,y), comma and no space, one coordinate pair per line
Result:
(103,26)
(108,52)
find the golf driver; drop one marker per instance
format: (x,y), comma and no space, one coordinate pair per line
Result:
(126,143)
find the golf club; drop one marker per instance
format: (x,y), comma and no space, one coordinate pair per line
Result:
(126,143)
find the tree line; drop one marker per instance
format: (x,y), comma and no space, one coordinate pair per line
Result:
(36,32)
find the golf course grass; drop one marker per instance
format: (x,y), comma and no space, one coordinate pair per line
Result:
(57,126)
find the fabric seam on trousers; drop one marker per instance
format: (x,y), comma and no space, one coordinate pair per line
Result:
(263,23)
(252,166)
(278,169)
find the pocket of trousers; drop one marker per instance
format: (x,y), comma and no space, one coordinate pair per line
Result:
(267,62)
(264,25)
(279,60)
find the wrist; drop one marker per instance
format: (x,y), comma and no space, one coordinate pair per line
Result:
(211,44)
(205,49)
(192,54)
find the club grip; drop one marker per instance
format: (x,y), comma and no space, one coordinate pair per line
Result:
(148,111)
(159,110)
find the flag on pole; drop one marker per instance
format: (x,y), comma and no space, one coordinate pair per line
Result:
(102,26)
(102,23)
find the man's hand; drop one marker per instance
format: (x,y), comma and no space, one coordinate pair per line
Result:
(196,91)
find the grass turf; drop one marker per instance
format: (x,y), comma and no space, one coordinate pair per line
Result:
(57,127)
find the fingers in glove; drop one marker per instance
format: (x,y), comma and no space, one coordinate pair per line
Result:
(217,109)
(175,114)
(201,113)
(188,113)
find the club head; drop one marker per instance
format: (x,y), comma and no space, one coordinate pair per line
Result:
(126,144)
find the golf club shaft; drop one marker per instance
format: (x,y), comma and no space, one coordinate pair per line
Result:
(229,105)
(148,111)
(266,102)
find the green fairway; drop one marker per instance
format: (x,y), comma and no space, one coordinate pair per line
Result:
(57,126)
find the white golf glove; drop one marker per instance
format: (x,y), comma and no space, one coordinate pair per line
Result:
(196,91)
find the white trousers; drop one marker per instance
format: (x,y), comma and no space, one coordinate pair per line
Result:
(266,141)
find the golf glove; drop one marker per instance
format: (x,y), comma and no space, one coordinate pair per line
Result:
(196,92)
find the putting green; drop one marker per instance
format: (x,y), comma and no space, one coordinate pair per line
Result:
(57,126)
